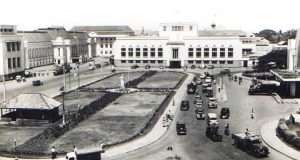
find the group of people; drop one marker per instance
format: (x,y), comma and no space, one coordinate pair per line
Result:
(54,153)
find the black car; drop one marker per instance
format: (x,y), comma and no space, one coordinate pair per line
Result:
(134,66)
(147,66)
(180,128)
(193,66)
(185,105)
(213,133)
(225,112)
(37,83)
(210,94)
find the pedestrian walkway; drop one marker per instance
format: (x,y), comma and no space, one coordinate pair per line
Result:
(268,134)
(221,96)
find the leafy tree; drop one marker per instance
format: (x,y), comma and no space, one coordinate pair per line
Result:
(274,59)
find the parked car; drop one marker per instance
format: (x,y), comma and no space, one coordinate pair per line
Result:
(37,83)
(203,66)
(200,113)
(225,112)
(225,71)
(161,67)
(134,66)
(193,66)
(147,66)
(185,105)
(212,102)
(18,78)
(180,128)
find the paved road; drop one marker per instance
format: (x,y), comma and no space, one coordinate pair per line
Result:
(195,145)
(52,83)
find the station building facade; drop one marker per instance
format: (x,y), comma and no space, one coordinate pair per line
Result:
(11,51)
(179,45)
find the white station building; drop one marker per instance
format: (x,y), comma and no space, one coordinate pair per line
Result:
(182,44)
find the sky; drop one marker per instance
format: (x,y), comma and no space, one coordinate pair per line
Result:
(247,15)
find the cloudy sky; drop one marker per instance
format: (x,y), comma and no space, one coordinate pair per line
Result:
(249,15)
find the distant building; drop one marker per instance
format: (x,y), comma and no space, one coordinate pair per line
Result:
(105,36)
(182,44)
(38,48)
(297,48)
(68,47)
(11,51)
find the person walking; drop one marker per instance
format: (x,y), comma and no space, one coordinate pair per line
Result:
(53,153)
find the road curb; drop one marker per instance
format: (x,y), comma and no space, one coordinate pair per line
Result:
(267,127)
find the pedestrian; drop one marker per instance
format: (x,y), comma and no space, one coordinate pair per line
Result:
(247,131)
(75,149)
(101,145)
(53,153)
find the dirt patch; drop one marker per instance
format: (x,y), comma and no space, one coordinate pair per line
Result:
(116,122)
(162,80)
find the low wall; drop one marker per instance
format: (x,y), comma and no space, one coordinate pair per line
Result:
(287,135)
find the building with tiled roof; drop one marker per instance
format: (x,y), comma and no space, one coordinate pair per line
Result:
(31,106)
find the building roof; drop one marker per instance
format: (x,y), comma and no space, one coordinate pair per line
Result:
(31,101)
(55,32)
(80,35)
(104,29)
(35,36)
(217,33)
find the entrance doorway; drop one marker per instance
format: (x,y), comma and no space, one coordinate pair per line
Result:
(175,64)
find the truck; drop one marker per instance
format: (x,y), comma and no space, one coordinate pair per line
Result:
(250,143)
(85,154)
(262,88)
(58,70)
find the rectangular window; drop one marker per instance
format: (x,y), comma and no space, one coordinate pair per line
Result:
(138,61)
(214,52)
(152,52)
(130,61)
(222,52)
(190,62)
(145,61)
(130,52)
(160,52)
(145,52)
(206,62)
(198,52)
(8,46)
(123,52)
(123,61)
(160,61)
(191,28)
(206,52)
(198,62)
(222,62)
(175,53)
(14,62)
(9,62)
(18,61)
(230,62)
(165,28)
(101,45)
(191,52)
(18,45)
(214,62)
(230,52)
(137,52)
(152,61)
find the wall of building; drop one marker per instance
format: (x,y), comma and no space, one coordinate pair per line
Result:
(12,61)
(187,51)
(298,48)
(38,54)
